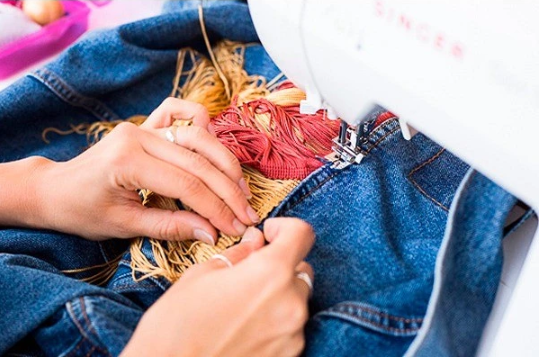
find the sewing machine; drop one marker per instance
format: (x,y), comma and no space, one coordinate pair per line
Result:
(465,73)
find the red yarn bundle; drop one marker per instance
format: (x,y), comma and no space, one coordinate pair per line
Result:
(285,147)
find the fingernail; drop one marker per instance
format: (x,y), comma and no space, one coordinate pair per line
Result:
(203,236)
(244,187)
(252,214)
(239,227)
(250,235)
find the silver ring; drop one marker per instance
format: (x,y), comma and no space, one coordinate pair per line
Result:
(169,135)
(223,259)
(306,279)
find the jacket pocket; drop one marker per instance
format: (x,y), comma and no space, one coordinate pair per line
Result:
(359,329)
(438,177)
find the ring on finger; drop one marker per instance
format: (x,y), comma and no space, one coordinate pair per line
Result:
(306,279)
(170,134)
(224,259)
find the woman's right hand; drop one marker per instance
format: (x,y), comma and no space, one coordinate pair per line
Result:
(256,308)
(94,195)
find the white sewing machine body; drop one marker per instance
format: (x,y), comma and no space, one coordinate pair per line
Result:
(464,73)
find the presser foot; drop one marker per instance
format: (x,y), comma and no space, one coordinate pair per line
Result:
(346,148)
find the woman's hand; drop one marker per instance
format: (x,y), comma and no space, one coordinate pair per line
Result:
(256,308)
(95,194)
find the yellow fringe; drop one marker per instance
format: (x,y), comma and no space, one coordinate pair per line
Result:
(106,271)
(174,258)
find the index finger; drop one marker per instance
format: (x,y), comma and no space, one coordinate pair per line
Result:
(290,239)
(172,109)
(201,141)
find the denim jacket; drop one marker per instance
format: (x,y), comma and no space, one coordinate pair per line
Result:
(399,236)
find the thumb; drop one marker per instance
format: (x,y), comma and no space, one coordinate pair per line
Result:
(251,241)
(170,225)
(290,239)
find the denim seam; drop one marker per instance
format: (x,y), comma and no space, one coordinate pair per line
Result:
(104,251)
(130,275)
(74,350)
(381,314)
(82,331)
(368,321)
(125,275)
(72,97)
(413,171)
(154,280)
(438,269)
(92,350)
(136,286)
(89,324)
(312,190)
(381,139)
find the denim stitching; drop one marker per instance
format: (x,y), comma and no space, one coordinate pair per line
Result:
(105,252)
(364,320)
(125,275)
(136,286)
(83,332)
(430,160)
(151,285)
(92,350)
(81,341)
(382,138)
(368,150)
(340,311)
(73,317)
(303,197)
(90,326)
(160,282)
(72,97)
(380,313)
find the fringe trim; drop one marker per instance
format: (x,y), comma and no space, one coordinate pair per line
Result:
(172,259)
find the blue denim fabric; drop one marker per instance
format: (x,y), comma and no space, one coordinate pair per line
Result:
(467,270)
(35,294)
(375,267)
(379,225)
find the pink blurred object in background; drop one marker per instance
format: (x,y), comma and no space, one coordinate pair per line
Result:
(51,39)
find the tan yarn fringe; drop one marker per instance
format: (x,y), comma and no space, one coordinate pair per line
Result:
(174,258)
(105,271)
